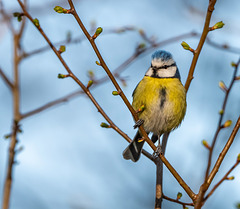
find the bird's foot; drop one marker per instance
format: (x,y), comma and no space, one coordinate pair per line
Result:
(157,152)
(138,123)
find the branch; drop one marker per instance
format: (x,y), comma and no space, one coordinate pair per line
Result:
(176,201)
(225,177)
(200,44)
(224,152)
(11,161)
(222,112)
(5,78)
(75,40)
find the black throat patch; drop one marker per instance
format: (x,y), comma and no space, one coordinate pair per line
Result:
(162,95)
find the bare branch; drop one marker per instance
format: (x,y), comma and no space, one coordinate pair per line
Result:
(177,201)
(6,79)
(223,179)
(224,152)
(219,127)
(200,44)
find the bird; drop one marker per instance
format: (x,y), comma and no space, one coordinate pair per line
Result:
(161,98)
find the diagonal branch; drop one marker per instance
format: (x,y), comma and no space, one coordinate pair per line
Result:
(224,152)
(223,179)
(6,79)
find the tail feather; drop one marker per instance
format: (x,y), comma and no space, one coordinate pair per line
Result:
(134,149)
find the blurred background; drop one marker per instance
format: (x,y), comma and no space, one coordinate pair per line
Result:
(68,161)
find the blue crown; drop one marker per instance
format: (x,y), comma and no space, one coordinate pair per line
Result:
(161,54)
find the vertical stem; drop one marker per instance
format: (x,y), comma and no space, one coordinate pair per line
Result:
(15,126)
(159,174)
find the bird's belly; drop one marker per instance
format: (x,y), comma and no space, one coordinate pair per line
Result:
(161,120)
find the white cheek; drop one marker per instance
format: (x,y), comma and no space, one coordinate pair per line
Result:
(149,72)
(170,72)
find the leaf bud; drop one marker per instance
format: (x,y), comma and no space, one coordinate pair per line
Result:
(62,48)
(60,10)
(238,158)
(179,195)
(97,32)
(187,47)
(205,144)
(61,76)
(104,125)
(227,124)
(230,178)
(89,83)
(218,25)
(36,22)
(115,93)
(222,86)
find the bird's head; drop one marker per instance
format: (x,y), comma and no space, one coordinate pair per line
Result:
(163,66)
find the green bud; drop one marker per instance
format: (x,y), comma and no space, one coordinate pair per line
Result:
(233,64)
(61,76)
(222,86)
(104,125)
(98,63)
(227,124)
(205,144)
(36,22)
(221,112)
(218,25)
(89,83)
(60,10)
(179,195)
(230,178)
(97,32)
(185,45)
(115,93)
(18,15)
(62,49)
(238,157)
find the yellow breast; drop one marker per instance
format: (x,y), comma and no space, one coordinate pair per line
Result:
(165,103)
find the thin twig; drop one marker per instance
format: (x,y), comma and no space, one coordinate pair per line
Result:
(200,44)
(222,112)
(75,40)
(11,160)
(224,152)
(6,79)
(221,181)
(176,201)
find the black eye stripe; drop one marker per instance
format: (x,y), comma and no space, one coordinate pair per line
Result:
(163,67)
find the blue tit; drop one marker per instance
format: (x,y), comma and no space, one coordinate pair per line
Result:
(164,99)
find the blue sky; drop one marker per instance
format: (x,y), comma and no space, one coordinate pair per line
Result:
(68,160)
